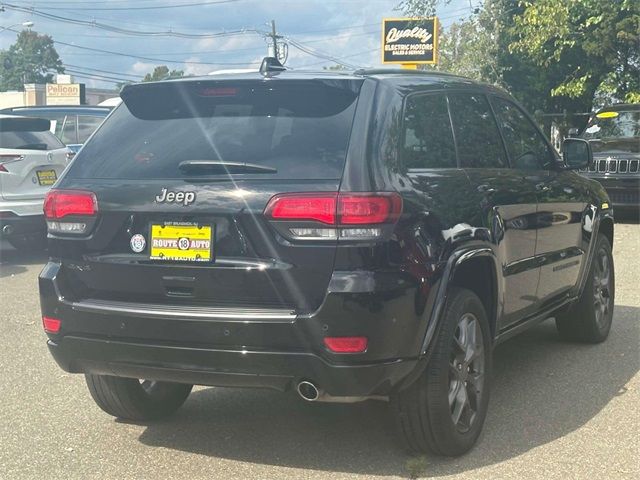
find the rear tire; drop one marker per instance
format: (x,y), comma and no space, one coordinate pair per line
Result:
(131,399)
(443,411)
(29,243)
(589,319)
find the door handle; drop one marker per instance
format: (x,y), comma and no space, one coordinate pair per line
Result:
(486,189)
(541,187)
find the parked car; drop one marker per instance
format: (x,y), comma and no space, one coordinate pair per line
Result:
(31,159)
(614,135)
(349,236)
(72,124)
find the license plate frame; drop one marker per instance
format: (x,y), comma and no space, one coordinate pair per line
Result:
(175,234)
(46,178)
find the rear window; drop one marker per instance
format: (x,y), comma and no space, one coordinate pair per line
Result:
(27,134)
(300,129)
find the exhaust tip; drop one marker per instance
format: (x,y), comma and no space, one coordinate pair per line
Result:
(7,229)
(308,391)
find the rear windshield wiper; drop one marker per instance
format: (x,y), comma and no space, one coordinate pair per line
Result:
(218,166)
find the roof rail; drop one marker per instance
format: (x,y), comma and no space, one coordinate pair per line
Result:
(401,71)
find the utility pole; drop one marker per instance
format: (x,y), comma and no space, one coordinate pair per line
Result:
(273,45)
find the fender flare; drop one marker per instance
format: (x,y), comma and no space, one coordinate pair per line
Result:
(456,258)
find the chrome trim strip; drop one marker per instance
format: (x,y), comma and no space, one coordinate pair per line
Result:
(186,312)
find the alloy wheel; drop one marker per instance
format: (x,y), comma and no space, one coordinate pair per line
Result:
(602,288)
(466,372)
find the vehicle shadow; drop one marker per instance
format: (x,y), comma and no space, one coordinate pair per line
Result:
(13,262)
(543,389)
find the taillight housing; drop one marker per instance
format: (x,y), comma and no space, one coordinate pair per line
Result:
(326,216)
(70,211)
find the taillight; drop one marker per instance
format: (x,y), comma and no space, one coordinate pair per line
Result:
(346,344)
(303,206)
(51,325)
(59,204)
(8,158)
(367,211)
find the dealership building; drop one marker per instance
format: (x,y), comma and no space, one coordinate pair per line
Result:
(64,92)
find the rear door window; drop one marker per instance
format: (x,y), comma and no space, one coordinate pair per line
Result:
(69,133)
(300,129)
(87,124)
(527,148)
(477,135)
(428,139)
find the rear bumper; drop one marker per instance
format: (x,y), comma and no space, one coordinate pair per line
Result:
(22,225)
(257,349)
(228,368)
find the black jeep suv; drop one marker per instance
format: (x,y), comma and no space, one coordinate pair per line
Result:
(614,135)
(349,236)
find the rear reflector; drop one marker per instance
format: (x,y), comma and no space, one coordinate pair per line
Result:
(336,209)
(346,344)
(61,203)
(51,325)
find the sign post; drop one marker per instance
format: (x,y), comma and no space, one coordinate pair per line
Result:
(410,41)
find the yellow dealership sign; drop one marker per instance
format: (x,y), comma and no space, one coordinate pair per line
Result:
(410,41)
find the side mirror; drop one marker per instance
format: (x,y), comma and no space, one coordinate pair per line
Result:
(576,153)
(573,132)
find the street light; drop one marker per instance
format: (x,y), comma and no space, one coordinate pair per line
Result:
(27,24)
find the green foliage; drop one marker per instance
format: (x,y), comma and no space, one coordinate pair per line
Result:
(420,8)
(554,56)
(595,42)
(31,59)
(162,73)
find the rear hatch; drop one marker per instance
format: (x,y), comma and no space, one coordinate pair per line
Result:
(31,158)
(182,173)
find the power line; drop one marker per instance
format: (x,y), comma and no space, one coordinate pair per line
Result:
(135,77)
(156,7)
(112,28)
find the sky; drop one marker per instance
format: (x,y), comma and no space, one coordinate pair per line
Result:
(228,33)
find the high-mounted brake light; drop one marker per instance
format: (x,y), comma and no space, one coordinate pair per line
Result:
(346,344)
(62,203)
(51,325)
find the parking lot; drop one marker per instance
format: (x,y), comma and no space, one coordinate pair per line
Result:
(557,411)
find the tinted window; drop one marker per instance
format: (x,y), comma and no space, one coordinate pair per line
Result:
(477,136)
(29,140)
(613,124)
(69,130)
(86,126)
(428,140)
(300,130)
(527,149)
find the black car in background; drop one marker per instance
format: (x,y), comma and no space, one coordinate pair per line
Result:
(346,235)
(72,124)
(614,135)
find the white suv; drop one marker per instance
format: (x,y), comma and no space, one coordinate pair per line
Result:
(31,159)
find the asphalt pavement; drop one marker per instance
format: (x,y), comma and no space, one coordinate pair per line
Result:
(558,410)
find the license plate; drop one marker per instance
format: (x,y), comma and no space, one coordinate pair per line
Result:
(181,242)
(46,178)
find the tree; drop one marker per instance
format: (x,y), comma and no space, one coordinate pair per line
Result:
(553,56)
(162,73)
(595,42)
(31,59)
